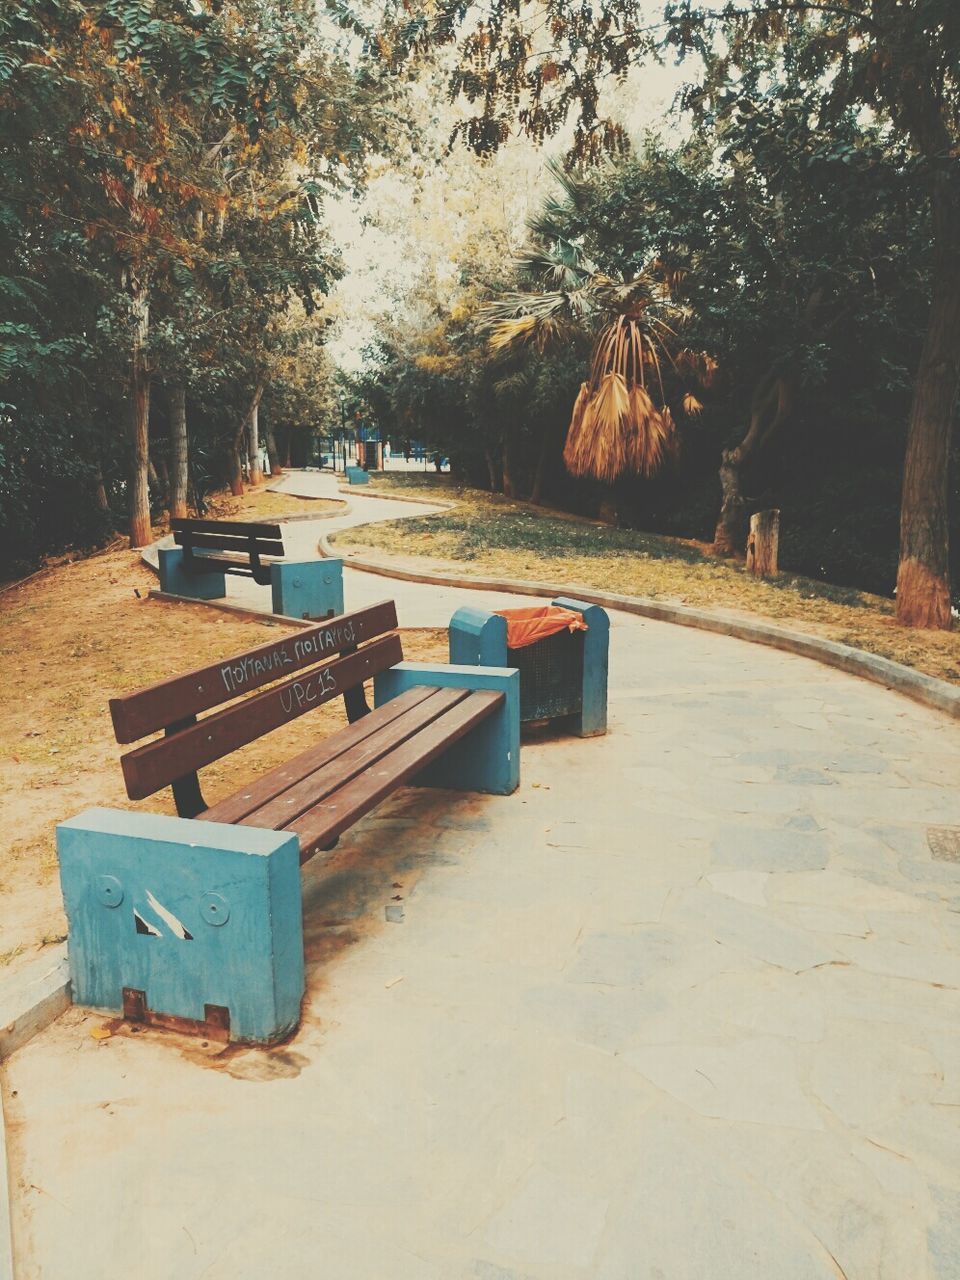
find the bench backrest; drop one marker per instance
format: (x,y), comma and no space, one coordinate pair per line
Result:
(235,536)
(332,660)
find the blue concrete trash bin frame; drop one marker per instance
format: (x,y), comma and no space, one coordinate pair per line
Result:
(580,660)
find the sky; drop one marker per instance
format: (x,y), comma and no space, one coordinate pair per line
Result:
(395,232)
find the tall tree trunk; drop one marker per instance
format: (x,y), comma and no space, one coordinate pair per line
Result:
(139,419)
(256,474)
(492,471)
(272,454)
(923,576)
(510,467)
(103,502)
(236,458)
(543,459)
(178,450)
(771,409)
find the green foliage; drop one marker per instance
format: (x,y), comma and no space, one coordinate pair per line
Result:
(162,177)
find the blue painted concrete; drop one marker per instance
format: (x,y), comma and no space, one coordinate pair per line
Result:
(478,638)
(488,758)
(234,890)
(178,582)
(357,475)
(596,655)
(310,589)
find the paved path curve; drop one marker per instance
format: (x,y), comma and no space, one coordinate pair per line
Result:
(686,1007)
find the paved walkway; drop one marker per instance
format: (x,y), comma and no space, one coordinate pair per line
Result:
(685,1007)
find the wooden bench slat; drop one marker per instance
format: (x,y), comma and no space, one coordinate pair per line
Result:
(228,542)
(321,825)
(329,777)
(186,525)
(146,769)
(153,708)
(269,785)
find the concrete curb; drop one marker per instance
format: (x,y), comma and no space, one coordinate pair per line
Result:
(442,504)
(6,1226)
(32,998)
(927,690)
(238,610)
(37,994)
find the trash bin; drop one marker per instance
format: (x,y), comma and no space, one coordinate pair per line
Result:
(559,649)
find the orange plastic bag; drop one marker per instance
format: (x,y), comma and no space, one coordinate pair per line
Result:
(527,626)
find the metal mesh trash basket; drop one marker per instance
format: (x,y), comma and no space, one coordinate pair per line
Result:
(551,676)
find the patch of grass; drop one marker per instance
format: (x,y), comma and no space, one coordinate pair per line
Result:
(489,535)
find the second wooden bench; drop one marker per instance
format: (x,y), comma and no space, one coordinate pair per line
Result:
(208,551)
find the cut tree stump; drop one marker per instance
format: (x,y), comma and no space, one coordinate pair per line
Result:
(763,543)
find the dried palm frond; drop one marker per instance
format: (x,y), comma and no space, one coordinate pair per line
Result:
(691,405)
(616,427)
(699,365)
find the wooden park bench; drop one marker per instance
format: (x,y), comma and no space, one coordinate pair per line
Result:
(196,919)
(206,551)
(228,546)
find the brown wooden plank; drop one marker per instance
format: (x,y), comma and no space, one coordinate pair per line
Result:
(146,769)
(137,714)
(243,527)
(321,825)
(330,777)
(234,808)
(229,542)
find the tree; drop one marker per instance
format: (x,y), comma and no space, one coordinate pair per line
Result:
(621,422)
(534,63)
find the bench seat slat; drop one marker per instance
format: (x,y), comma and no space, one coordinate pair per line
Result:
(283,808)
(146,769)
(229,542)
(269,785)
(242,527)
(322,824)
(153,708)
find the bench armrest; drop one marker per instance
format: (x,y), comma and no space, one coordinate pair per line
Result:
(488,759)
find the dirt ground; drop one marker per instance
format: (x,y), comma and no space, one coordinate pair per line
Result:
(72,637)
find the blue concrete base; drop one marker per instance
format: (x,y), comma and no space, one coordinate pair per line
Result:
(311,589)
(191,913)
(480,638)
(356,475)
(488,758)
(178,582)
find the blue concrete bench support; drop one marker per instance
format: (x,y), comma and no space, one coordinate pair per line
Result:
(307,589)
(177,581)
(192,914)
(488,759)
(310,589)
(356,475)
(478,637)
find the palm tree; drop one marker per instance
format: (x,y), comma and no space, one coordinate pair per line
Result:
(621,422)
